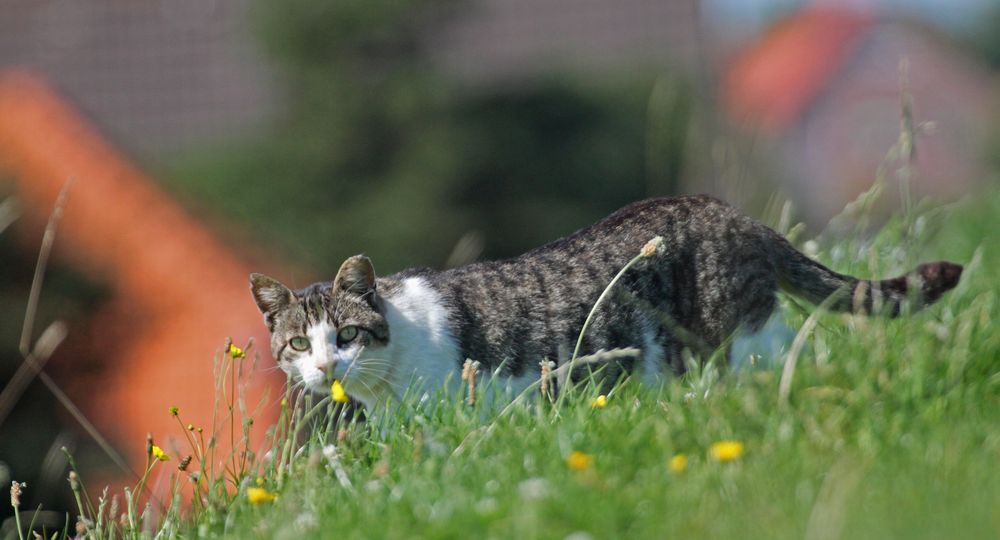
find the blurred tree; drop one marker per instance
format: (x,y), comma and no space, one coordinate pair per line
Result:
(985,38)
(379,152)
(36,420)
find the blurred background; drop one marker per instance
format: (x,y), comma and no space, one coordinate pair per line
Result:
(210,138)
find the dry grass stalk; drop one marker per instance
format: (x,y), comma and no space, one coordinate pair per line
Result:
(470,370)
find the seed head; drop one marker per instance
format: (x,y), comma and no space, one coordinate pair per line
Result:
(546,376)
(15,493)
(469,372)
(653,247)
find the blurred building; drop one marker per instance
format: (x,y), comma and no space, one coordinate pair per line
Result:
(156,76)
(161,77)
(175,290)
(504,41)
(154,79)
(822,90)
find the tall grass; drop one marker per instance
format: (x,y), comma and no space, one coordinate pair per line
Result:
(887,429)
(863,428)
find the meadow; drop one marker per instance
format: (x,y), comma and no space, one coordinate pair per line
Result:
(860,427)
(887,429)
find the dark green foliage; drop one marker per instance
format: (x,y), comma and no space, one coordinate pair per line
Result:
(377,151)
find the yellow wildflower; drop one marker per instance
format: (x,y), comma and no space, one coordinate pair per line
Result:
(579,461)
(159,454)
(599,402)
(258,495)
(236,352)
(678,463)
(174,411)
(337,392)
(724,451)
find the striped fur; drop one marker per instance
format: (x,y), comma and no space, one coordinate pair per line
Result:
(719,274)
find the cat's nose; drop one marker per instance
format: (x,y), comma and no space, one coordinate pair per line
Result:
(325,367)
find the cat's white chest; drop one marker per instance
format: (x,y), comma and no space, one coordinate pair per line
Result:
(422,350)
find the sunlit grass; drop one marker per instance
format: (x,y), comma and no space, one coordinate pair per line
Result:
(888,430)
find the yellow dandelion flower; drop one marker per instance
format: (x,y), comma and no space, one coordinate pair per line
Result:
(678,463)
(236,352)
(599,402)
(337,392)
(724,451)
(259,495)
(579,461)
(159,454)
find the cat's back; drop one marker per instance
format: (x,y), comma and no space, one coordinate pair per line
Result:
(609,243)
(525,306)
(619,236)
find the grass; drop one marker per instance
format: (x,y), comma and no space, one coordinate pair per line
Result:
(884,428)
(888,430)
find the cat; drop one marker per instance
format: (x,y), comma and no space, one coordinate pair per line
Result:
(716,273)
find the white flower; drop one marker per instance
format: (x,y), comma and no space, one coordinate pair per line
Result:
(533,488)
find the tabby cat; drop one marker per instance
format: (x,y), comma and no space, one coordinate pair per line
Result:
(717,274)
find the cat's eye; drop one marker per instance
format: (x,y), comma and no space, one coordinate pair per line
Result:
(347,334)
(299,343)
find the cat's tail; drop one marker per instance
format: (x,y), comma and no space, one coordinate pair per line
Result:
(806,278)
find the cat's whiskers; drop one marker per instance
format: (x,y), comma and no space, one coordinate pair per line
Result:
(370,368)
(365,368)
(352,364)
(371,391)
(375,362)
(378,375)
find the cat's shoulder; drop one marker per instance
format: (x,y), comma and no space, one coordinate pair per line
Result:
(680,201)
(654,210)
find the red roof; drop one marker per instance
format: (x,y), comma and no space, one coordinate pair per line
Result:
(773,82)
(178,290)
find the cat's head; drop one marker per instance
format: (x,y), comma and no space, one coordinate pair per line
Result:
(325,331)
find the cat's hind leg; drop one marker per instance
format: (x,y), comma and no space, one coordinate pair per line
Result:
(763,346)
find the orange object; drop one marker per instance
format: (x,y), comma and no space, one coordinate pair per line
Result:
(774,81)
(178,292)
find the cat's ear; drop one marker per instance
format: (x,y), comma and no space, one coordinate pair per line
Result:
(356,275)
(271,296)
